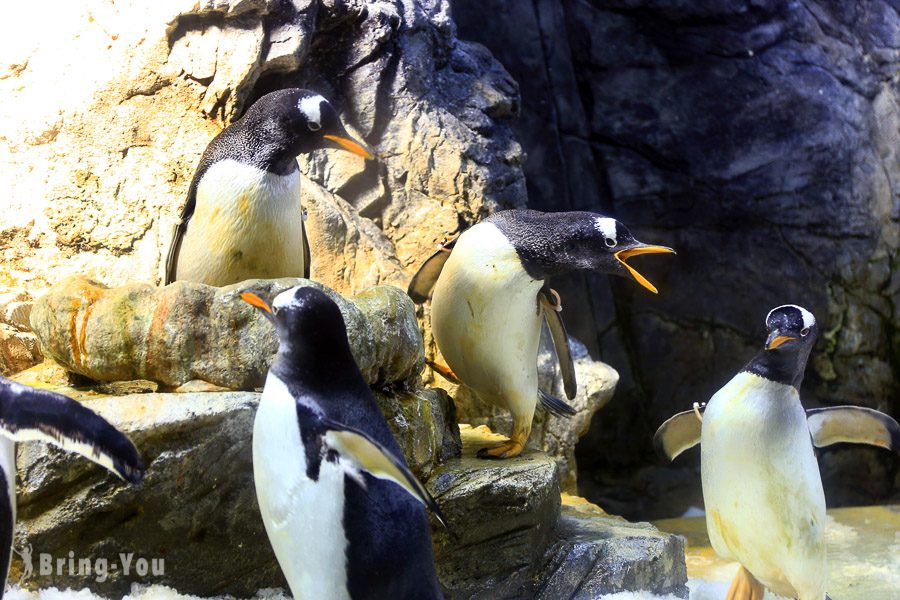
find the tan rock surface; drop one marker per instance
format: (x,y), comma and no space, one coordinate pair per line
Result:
(105,115)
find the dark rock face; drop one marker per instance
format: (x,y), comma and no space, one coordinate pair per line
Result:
(759,140)
(516,537)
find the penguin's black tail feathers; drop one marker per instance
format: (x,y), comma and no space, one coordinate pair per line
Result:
(555,406)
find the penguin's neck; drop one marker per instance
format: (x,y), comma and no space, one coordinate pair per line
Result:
(317,367)
(781,367)
(267,145)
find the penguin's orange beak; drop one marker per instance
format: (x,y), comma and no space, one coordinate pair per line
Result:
(253,299)
(776,339)
(348,143)
(623,255)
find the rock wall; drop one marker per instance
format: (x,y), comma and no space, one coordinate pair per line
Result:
(759,140)
(98,165)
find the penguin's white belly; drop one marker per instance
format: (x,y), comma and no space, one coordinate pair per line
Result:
(303,518)
(247,223)
(765,506)
(487,321)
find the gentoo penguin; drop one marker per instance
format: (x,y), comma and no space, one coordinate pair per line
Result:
(344,514)
(490,293)
(765,507)
(28,414)
(243,218)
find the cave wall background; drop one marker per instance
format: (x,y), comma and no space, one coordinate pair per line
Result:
(759,139)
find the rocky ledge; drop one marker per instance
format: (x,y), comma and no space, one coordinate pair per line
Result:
(197,506)
(513,537)
(521,539)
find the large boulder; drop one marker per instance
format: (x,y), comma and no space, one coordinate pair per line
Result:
(757,139)
(516,537)
(190,331)
(594,554)
(502,514)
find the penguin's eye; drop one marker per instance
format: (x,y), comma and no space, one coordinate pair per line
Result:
(610,243)
(313,125)
(804,332)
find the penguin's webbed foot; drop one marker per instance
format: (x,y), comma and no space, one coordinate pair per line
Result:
(444,371)
(508,449)
(744,586)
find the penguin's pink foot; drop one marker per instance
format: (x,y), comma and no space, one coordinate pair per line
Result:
(744,586)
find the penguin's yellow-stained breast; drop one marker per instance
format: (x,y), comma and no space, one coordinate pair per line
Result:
(248,223)
(242,167)
(486,318)
(762,490)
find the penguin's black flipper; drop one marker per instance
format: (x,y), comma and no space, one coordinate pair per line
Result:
(552,306)
(29,414)
(853,424)
(554,405)
(178,234)
(423,281)
(307,255)
(359,452)
(7,515)
(677,434)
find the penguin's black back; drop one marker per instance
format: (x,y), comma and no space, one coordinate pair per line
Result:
(389,553)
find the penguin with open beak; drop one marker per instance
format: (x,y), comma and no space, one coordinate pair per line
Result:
(490,296)
(29,414)
(243,218)
(765,507)
(342,510)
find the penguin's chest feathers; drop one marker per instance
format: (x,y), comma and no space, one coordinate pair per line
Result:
(485,312)
(249,219)
(761,485)
(303,517)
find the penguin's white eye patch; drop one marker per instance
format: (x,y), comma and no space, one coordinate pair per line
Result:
(311,107)
(607,227)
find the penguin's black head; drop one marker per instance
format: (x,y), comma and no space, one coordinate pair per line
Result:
(305,319)
(302,121)
(553,243)
(792,331)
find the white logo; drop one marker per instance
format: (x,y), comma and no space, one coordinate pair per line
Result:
(99,568)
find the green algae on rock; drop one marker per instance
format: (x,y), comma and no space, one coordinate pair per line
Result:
(423,421)
(188,331)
